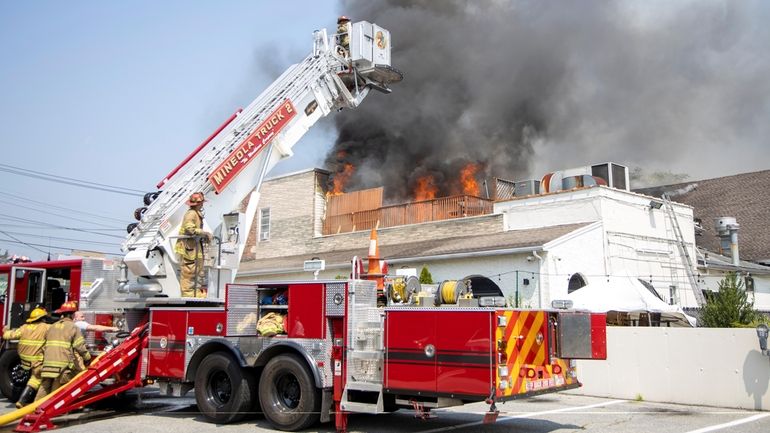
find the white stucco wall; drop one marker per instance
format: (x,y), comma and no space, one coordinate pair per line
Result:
(636,239)
(581,252)
(549,210)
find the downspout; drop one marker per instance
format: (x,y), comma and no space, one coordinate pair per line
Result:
(540,280)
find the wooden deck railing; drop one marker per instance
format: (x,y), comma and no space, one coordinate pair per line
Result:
(408,213)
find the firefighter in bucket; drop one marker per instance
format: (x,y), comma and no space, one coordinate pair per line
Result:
(190,249)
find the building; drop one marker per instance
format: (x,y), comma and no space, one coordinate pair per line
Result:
(745,198)
(537,248)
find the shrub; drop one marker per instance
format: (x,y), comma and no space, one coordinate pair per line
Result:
(425,276)
(730,307)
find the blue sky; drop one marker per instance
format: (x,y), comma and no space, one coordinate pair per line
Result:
(120,92)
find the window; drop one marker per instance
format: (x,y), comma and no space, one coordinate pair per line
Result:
(264,224)
(672,298)
(576,281)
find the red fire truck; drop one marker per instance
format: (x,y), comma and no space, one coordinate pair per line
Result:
(337,350)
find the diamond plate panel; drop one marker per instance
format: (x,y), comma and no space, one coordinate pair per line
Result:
(242,321)
(241,296)
(365,334)
(102,277)
(335,299)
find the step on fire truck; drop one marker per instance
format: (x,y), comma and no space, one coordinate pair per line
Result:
(339,350)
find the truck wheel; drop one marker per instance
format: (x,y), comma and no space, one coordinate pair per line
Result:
(223,390)
(13,378)
(289,398)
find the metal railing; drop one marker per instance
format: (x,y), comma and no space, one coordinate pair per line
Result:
(409,213)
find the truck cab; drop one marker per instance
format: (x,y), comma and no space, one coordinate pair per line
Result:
(26,285)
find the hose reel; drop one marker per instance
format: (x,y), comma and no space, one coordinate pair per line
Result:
(401,289)
(451,291)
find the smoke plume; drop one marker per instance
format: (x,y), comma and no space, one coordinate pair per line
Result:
(523,87)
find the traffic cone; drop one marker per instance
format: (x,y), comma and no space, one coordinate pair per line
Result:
(375,268)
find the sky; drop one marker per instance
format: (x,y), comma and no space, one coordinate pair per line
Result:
(118,93)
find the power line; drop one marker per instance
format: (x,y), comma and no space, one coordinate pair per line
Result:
(58,248)
(70,181)
(58,215)
(57,238)
(48,206)
(37,226)
(13,218)
(22,242)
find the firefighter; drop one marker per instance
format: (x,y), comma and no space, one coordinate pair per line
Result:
(62,341)
(343,33)
(31,338)
(189,249)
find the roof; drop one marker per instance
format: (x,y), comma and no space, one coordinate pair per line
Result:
(461,246)
(742,196)
(724,263)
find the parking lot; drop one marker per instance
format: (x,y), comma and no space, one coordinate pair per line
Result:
(148,413)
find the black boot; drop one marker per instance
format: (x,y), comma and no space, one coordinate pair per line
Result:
(27,396)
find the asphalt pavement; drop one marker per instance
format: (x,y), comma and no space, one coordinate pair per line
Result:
(147,412)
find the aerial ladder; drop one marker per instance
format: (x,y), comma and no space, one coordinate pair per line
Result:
(231,164)
(227,167)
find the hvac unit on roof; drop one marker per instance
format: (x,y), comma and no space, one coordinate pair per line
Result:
(608,174)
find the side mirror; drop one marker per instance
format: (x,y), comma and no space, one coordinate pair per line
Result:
(762,333)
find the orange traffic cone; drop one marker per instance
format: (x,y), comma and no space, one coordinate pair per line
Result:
(375,267)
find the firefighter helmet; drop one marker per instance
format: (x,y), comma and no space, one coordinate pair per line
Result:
(67,307)
(196,198)
(37,314)
(343,19)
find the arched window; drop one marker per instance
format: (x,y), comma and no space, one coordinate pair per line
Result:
(576,281)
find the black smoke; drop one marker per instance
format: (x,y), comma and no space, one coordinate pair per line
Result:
(521,87)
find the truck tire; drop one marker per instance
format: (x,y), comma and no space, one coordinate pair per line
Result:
(223,390)
(287,393)
(13,378)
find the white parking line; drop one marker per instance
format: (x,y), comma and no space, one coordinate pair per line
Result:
(527,415)
(730,424)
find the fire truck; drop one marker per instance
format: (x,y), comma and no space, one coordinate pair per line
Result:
(344,346)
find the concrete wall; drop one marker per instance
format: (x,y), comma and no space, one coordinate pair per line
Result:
(701,366)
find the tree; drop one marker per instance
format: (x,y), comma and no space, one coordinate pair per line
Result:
(425,276)
(730,307)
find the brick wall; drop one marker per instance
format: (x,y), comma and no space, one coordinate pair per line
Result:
(291,203)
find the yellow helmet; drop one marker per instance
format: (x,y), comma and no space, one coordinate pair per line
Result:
(37,314)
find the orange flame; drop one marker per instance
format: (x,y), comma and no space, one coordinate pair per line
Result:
(341,178)
(468,179)
(426,188)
